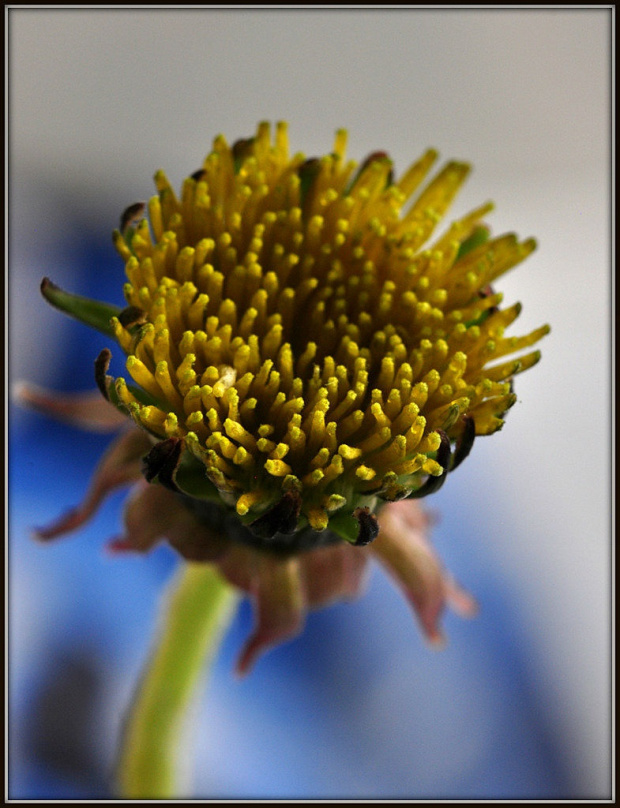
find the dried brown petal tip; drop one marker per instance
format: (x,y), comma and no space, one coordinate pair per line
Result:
(160,464)
(282,518)
(47,285)
(102,363)
(369,526)
(132,215)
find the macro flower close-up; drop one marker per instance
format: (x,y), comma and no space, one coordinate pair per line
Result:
(306,358)
(296,298)
(300,359)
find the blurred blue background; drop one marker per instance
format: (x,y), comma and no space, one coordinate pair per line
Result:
(518,705)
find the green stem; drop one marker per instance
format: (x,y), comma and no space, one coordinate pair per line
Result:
(198,610)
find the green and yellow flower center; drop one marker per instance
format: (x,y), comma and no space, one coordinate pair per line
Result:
(286,322)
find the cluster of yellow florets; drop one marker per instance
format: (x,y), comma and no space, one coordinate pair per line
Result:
(286,323)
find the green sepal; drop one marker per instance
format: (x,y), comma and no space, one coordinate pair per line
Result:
(191,478)
(479,236)
(113,396)
(346,526)
(139,394)
(90,312)
(146,398)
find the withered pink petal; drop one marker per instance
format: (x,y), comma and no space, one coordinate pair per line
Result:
(459,599)
(153,512)
(88,411)
(403,547)
(150,512)
(279,605)
(193,540)
(240,566)
(120,465)
(333,573)
(119,545)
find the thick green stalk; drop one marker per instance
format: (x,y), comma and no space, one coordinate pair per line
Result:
(198,610)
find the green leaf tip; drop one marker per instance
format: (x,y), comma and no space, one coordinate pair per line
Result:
(90,312)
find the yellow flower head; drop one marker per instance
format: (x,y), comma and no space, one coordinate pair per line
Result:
(297,349)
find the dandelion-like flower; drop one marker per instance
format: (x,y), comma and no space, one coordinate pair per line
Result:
(301,368)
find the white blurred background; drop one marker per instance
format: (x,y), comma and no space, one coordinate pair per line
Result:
(519,704)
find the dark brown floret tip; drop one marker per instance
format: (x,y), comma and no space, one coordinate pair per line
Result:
(160,464)
(374,157)
(282,518)
(241,149)
(487,292)
(132,215)
(465,441)
(102,363)
(130,316)
(368,526)
(307,172)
